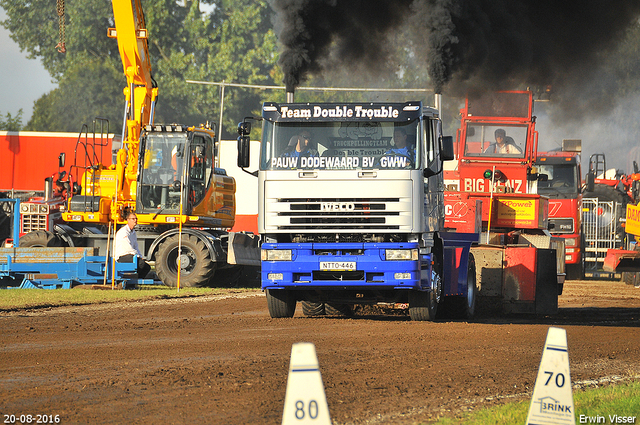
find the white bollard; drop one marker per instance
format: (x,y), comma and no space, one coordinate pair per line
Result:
(552,400)
(305,401)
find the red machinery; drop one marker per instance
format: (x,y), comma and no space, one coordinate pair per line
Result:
(563,187)
(520,265)
(26,166)
(611,221)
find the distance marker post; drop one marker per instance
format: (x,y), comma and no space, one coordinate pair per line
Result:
(552,400)
(305,401)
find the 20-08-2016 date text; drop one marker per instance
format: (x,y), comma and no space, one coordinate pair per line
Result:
(31,419)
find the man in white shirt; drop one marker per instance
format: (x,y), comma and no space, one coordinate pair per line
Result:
(126,246)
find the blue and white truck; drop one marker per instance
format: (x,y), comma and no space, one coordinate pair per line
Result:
(351,210)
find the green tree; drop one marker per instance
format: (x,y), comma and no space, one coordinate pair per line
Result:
(11,123)
(234,42)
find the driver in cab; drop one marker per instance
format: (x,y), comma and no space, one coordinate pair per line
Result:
(402,151)
(300,145)
(503,144)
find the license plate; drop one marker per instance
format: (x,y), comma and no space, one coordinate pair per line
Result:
(338,265)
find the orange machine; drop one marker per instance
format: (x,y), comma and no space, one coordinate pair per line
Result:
(165,173)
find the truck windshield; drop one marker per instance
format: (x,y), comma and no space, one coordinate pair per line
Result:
(491,140)
(161,165)
(562,180)
(341,145)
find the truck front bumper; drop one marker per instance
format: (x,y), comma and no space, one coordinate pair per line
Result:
(345,266)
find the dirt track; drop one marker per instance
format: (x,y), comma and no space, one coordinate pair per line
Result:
(224,360)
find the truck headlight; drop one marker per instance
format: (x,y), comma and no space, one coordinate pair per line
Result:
(276,255)
(570,242)
(401,254)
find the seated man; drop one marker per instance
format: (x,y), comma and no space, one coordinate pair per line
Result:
(300,145)
(503,144)
(401,147)
(126,246)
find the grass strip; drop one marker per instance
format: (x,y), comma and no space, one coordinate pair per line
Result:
(597,405)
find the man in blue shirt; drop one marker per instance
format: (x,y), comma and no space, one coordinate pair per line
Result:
(301,145)
(401,148)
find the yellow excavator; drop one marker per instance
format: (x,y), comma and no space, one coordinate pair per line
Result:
(164,172)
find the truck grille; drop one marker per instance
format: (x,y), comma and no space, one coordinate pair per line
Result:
(561,225)
(371,214)
(33,222)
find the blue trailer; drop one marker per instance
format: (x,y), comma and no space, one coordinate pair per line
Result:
(63,267)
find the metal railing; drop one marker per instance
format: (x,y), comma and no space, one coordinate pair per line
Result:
(600,227)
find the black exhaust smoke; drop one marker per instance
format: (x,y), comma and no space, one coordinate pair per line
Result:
(310,29)
(467,45)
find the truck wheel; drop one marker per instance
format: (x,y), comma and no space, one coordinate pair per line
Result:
(462,306)
(312,309)
(40,238)
(629,278)
(196,263)
(468,303)
(338,310)
(423,305)
(281,303)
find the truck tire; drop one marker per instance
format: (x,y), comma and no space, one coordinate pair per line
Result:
(463,306)
(40,238)
(467,304)
(423,305)
(197,265)
(338,310)
(605,217)
(281,303)
(311,309)
(629,278)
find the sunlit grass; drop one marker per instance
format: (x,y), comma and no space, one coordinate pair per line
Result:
(622,400)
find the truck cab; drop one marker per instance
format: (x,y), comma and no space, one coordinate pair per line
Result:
(563,187)
(351,207)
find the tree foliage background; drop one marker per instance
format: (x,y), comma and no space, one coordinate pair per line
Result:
(234,41)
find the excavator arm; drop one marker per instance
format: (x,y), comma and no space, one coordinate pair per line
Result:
(141,90)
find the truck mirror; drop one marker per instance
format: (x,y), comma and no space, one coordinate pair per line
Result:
(543,177)
(243,151)
(61,159)
(590,178)
(428,172)
(244,128)
(446,148)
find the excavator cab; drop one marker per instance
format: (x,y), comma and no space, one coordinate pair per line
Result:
(176,166)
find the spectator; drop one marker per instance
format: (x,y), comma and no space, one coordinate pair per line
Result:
(126,246)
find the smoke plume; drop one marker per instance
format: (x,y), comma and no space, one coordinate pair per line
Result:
(468,45)
(309,30)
